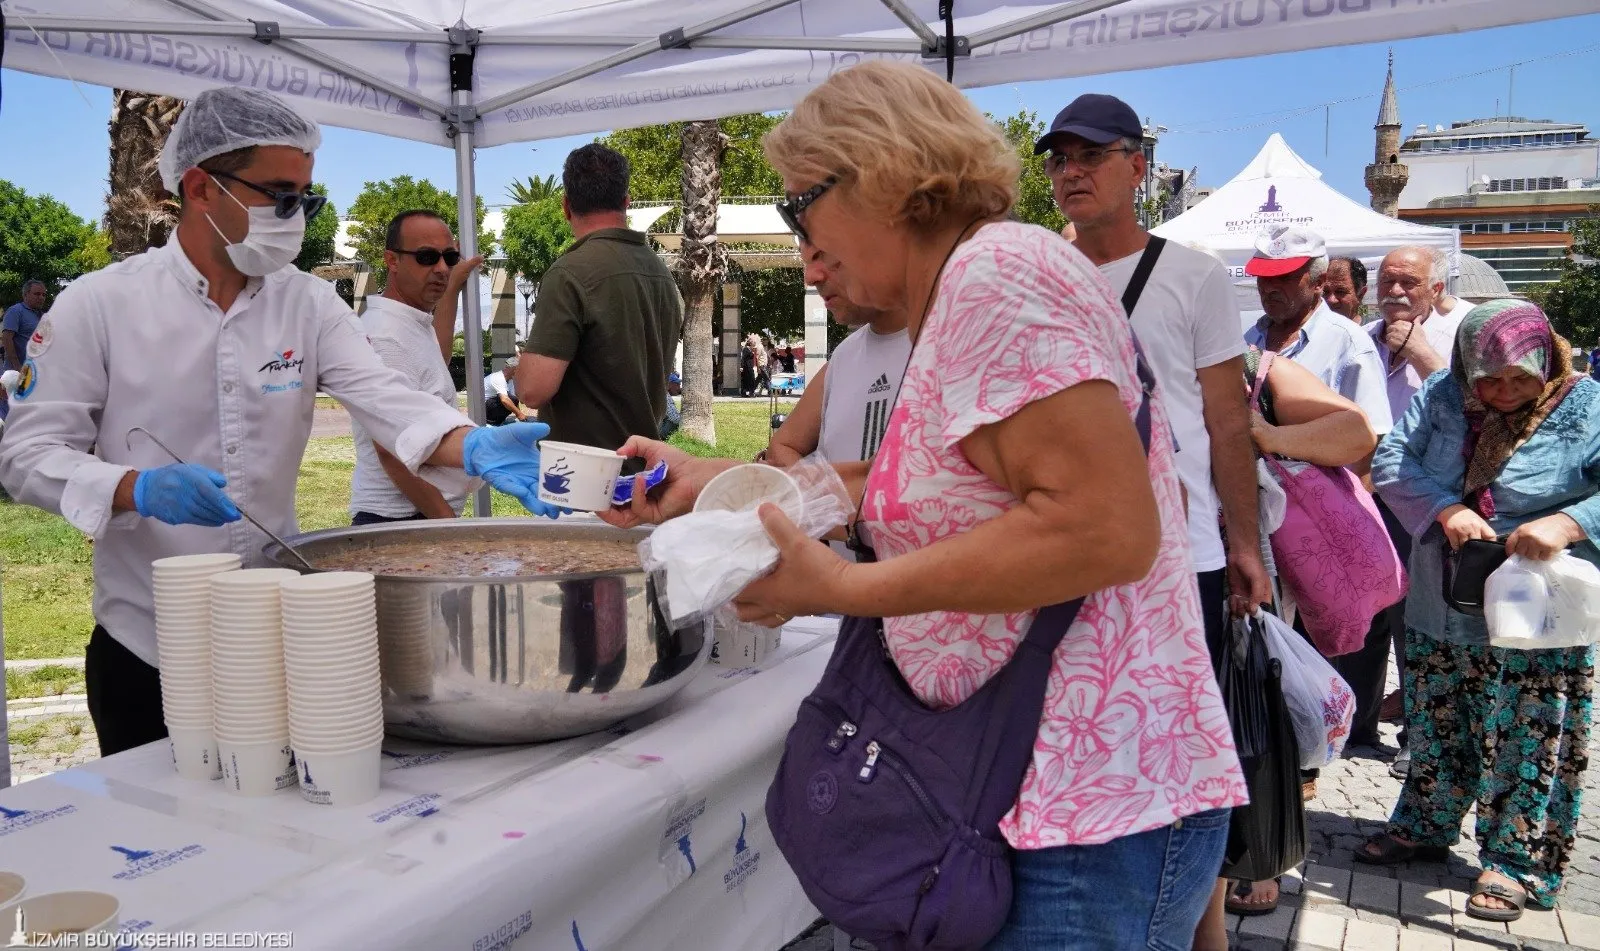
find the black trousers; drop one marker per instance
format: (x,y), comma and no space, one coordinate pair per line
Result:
(124,695)
(1366,670)
(495,412)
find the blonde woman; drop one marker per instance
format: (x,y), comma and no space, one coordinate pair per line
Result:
(1011,477)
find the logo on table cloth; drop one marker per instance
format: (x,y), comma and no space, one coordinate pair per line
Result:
(142,862)
(15,820)
(413,760)
(418,806)
(506,935)
(577,939)
(745,860)
(680,826)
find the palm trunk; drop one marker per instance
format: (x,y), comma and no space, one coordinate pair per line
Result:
(702,265)
(139,212)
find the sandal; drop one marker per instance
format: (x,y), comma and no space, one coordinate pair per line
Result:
(1391,851)
(1517,897)
(1239,902)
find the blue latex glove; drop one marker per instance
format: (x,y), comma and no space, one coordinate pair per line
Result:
(507,457)
(182,494)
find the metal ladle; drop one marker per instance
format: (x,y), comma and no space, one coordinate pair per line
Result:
(248,517)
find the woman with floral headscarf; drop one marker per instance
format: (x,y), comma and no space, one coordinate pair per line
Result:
(1504,445)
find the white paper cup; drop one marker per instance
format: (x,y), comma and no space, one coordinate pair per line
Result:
(577,477)
(345,778)
(212,561)
(194,752)
(336,738)
(257,768)
(58,914)
(324,582)
(12,887)
(747,486)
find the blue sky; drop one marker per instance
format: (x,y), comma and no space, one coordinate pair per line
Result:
(1219,113)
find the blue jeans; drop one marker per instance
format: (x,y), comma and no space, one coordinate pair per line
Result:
(1140,891)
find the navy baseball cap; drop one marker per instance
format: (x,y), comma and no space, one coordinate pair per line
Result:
(674,378)
(1099,118)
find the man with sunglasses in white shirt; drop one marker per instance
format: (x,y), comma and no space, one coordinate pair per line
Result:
(411,327)
(216,346)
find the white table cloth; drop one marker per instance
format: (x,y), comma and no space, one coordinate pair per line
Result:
(647,837)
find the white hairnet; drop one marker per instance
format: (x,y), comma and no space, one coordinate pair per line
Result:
(228,118)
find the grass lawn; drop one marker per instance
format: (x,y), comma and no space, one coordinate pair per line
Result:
(47,579)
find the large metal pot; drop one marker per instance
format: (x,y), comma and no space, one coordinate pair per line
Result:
(515,659)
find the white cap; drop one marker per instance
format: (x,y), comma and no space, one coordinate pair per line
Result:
(227,119)
(1284,250)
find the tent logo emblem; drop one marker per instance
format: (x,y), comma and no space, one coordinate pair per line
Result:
(1271,204)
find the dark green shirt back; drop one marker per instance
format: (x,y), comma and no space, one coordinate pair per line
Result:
(612,310)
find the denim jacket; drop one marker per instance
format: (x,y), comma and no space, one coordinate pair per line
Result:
(1419,470)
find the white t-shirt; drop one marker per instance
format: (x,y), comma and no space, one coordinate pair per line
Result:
(858,392)
(495,385)
(403,339)
(1187,319)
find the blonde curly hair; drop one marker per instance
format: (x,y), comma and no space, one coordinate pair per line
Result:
(906,146)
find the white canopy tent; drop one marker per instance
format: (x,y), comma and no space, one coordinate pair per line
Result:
(1279,187)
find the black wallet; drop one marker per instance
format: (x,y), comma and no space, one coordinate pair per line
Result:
(1467,569)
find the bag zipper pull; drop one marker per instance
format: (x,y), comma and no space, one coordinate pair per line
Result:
(841,736)
(928,880)
(871,766)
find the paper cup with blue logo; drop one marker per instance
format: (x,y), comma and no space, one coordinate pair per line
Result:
(256,769)
(194,752)
(345,777)
(50,919)
(577,477)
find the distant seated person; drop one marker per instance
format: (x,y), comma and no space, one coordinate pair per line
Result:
(674,419)
(500,395)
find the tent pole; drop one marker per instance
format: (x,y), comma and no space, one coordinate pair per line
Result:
(930,40)
(462,120)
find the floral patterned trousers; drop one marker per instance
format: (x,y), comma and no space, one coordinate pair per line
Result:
(1507,730)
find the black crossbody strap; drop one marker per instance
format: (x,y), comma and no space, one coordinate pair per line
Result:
(1141,274)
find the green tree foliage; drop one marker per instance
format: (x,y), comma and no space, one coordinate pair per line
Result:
(1573,303)
(654,154)
(536,234)
(41,238)
(1036,204)
(379,202)
(317,246)
(527,192)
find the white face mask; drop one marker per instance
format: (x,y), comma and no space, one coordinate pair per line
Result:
(271,244)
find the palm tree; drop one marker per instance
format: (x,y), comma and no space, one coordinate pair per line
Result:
(139,212)
(702,265)
(532,190)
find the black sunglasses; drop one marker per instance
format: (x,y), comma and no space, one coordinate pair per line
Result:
(790,209)
(288,202)
(428,257)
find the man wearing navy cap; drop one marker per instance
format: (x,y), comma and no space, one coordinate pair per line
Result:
(673,421)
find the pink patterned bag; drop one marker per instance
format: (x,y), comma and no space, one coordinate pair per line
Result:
(1332,549)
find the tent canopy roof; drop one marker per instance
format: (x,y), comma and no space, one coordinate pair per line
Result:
(545,68)
(1279,187)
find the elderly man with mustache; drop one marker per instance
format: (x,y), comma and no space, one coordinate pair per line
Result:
(1414,339)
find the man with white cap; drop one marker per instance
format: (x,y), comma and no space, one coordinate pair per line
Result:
(1289,265)
(217,346)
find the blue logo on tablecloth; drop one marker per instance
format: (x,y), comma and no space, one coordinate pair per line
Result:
(142,862)
(577,939)
(745,859)
(15,820)
(687,850)
(419,806)
(412,760)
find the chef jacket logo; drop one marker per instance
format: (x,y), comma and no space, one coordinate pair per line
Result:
(15,820)
(745,860)
(142,862)
(28,380)
(281,362)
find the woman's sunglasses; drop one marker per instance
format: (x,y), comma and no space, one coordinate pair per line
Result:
(790,209)
(287,202)
(428,257)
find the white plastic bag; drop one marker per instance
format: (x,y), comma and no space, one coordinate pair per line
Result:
(711,556)
(1543,605)
(1321,705)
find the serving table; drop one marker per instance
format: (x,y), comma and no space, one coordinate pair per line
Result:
(649,836)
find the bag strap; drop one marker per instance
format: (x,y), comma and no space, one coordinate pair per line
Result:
(1141,274)
(1262,369)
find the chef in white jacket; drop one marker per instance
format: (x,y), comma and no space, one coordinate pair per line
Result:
(217,345)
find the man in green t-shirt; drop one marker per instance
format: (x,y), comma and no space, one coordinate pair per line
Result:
(607,319)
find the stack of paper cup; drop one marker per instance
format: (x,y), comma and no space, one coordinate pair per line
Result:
(250,700)
(407,654)
(330,645)
(182,588)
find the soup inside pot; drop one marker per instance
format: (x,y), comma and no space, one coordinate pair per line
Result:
(486,557)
